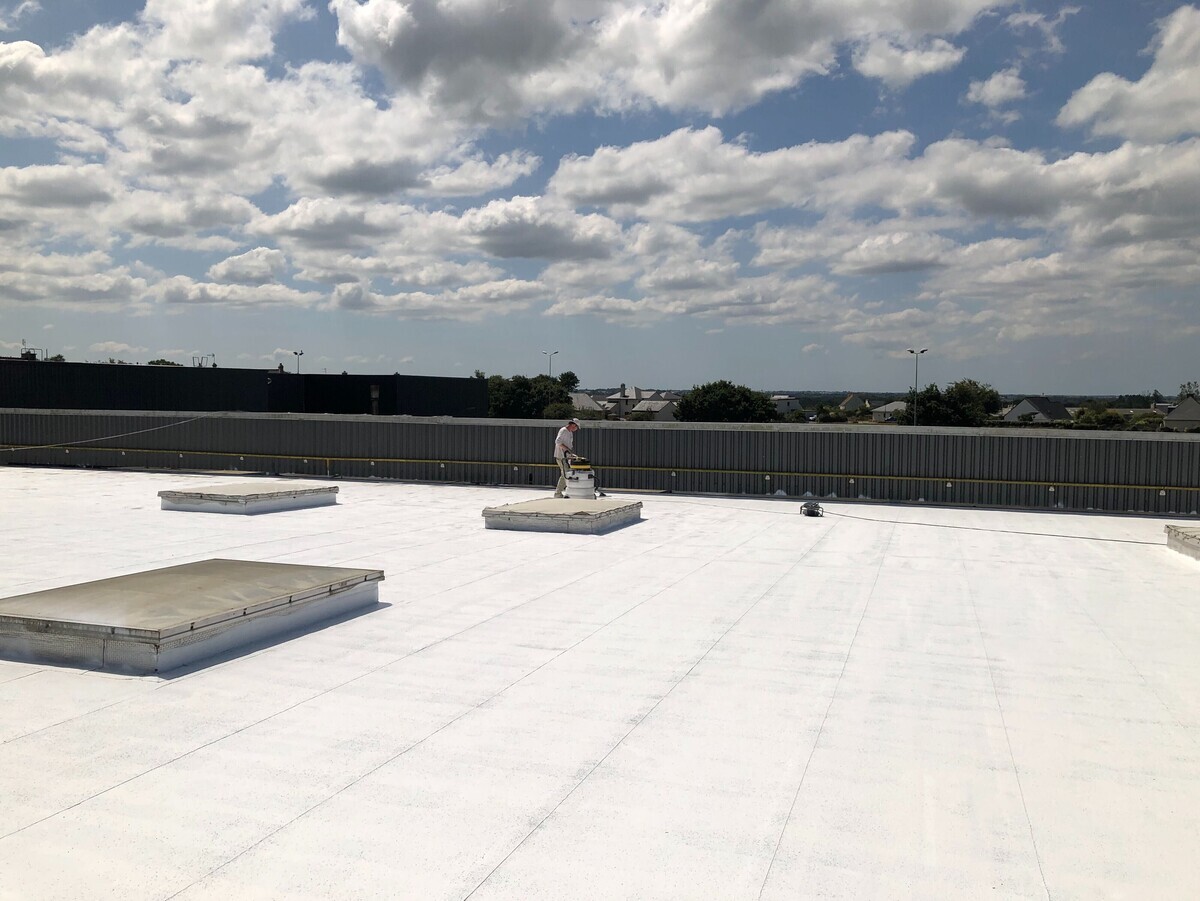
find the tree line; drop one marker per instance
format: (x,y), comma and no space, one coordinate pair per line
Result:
(966,402)
(522,397)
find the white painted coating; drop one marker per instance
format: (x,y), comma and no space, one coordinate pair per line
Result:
(1184,539)
(161,619)
(574,514)
(249,498)
(728,701)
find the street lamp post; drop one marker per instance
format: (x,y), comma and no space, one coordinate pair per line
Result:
(916,377)
(549,355)
(299,354)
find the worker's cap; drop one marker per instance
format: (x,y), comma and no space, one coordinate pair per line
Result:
(572,422)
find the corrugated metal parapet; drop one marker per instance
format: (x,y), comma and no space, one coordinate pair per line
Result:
(1037,468)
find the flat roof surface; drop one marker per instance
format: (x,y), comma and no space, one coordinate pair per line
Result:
(726,700)
(171,599)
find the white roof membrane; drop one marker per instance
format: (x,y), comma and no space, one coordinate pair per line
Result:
(730,700)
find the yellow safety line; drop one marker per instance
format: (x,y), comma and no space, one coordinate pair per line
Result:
(667,469)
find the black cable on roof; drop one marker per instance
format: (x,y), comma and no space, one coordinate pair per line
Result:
(106,437)
(933,525)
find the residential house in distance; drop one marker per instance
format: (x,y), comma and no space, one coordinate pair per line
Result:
(1038,409)
(659,410)
(1186,415)
(887,412)
(853,402)
(785,404)
(585,403)
(621,403)
(624,401)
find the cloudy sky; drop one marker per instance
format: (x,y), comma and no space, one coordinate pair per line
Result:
(786,193)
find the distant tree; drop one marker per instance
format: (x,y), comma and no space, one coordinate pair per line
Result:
(1095,414)
(547,391)
(559,410)
(826,413)
(521,397)
(640,416)
(497,395)
(1189,389)
(1139,401)
(930,407)
(1147,422)
(479,374)
(963,403)
(1090,409)
(163,363)
(115,360)
(57,358)
(723,401)
(568,380)
(971,402)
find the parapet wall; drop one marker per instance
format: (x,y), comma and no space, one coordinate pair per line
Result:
(1035,469)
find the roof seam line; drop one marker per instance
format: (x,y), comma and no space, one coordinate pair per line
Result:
(1012,758)
(429,735)
(821,729)
(641,719)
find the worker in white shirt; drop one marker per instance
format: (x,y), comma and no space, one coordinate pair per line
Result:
(564,450)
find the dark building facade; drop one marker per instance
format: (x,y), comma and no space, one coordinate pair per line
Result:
(34,384)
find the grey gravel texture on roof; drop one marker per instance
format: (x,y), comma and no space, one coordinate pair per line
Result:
(729,700)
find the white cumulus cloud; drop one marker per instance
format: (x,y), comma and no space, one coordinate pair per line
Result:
(695,175)
(254,267)
(115,347)
(10,17)
(1159,106)
(492,62)
(898,66)
(1001,88)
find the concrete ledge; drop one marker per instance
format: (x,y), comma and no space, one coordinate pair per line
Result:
(1185,539)
(162,619)
(248,498)
(577,515)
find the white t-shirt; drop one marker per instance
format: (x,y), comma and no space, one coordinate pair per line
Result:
(565,437)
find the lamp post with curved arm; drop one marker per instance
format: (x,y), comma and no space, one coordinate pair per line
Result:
(549,355)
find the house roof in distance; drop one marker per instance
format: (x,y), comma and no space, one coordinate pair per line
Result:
(1050,409)
(583,401)
(726,700)
(1187,410)
(652,406)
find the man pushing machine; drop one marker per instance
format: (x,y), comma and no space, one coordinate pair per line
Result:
(564,450)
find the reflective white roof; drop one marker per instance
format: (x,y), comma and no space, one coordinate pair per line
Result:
(726,700)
